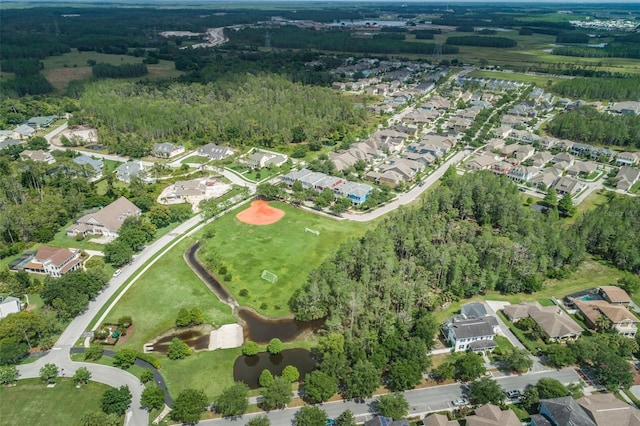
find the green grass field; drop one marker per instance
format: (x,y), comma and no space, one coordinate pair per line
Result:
(60,70)
(283,248)
(32,403)
(155,299)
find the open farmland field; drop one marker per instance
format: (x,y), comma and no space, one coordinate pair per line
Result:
(60,70)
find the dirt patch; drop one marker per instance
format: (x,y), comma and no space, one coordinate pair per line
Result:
(61,77)
(260,213)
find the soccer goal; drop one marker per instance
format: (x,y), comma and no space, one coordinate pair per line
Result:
(313,231)
(269,276)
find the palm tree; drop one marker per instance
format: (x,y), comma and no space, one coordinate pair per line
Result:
(603,323)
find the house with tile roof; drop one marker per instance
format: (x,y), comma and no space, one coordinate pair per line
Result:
(627,177)
(106,221)
(492,415)
(620,318)
(54,261)
(605,410)
(435,419)
(215,152)
(166,150)
(627,158)
(615,295)
(556,324)
(23,131)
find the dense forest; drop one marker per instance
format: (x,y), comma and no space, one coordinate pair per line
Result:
(473,235)
(611,50)
(119,71)
(586,124)
(248,110)
(481,41)
(337,40)
(572,37)
(613,232)
(618,89)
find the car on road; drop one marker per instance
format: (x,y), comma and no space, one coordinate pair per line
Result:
(514,394)
(117,272)
(460,402)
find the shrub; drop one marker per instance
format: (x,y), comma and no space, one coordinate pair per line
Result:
(244,292)
(250,348)
(275,346)
(266,378)
(125,321)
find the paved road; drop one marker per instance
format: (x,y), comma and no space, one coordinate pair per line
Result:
(59,355)
(421,401)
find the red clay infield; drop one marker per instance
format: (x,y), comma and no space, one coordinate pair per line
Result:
(260,213)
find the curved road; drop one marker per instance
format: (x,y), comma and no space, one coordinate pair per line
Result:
(59,354)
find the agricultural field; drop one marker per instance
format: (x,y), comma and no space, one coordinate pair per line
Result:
(30,402)
(283,248)
(60,70)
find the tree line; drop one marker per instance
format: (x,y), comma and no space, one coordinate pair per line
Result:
(246,110)
(103,70)
(337,40)
(611,50)
(502,42)
(586,124)
(619,89)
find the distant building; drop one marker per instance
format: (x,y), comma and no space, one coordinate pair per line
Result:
(215,152)
(166,150)
(38,155)
(126,171)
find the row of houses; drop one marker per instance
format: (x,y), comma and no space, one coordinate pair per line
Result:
(601,409)
(29,128)
(354,191)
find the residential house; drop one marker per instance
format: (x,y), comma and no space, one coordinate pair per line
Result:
(190,190)
(522,173)
(423,157)
(388,177)
(9,305)
(38,155)
(54,261)
(94,164)
(547,142)
(501,167)
(582,168)
(474,334)
(310,180)
(459,124)
(437,102)
(626,108)
(512,121)
(421,116)
(541,158)
(519,152)
(474,310)
(328,182)
(166,150)
(523,136)
(294,175)
(483,162)
(435,419)
(605,410)
(215,152)
(342,160)
(567,185)
(547,177)
(620,318)
(492,415)
(494,144)
(6,134)
(385,421)
(627,158)
(41,122)
(6,143)
(563,411)
(615,295)
(356,192)
(106,221)
(23,131)
(627,177)
(260,159)
(556,324)
(131,169)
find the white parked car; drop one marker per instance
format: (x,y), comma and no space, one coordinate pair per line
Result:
(117,272)
(460,402)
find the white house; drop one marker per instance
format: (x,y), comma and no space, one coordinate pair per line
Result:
(54,261)
(9,305)
(106,221)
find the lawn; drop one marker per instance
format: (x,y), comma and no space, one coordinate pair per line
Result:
(591,273)
(155,299)
(211,371)
(283,248)
(32,403)
(195,159)
(60,70)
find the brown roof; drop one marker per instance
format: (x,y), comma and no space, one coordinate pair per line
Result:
(615,294)
(519,311)
(70,265)
(594,308)
(605,409)
(555,322)
(439,420)
(491,415)
(113,215)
